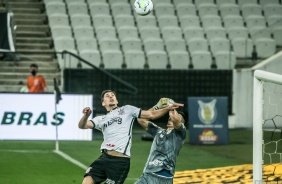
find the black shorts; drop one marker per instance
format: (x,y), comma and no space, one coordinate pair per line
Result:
(109,168)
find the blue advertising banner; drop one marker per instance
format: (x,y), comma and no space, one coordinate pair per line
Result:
(208,120)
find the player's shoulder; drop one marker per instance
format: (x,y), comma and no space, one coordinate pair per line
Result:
(154,126)
(181,128)
(129,107)
(99,117)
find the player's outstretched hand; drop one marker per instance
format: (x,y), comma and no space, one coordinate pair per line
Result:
(87,111)
(174,116)
(163,103)
(175,106)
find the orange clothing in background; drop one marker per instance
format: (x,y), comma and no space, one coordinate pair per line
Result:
(36,84)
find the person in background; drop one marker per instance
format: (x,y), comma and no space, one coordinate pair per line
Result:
(113,165)
(160,166)
(35,83)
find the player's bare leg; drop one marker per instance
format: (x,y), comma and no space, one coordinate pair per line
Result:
(88,180)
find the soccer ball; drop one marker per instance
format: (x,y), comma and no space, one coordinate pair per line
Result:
(143,7)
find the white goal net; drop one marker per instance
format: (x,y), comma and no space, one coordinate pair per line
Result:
(267,128)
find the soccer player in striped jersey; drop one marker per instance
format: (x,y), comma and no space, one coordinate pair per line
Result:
(160,166)
(114,163)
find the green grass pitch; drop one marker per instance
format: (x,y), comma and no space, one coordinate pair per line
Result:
(28,162)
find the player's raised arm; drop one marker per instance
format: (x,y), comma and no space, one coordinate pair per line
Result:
(143,122)
(161,108)
(175,118)
(84,123)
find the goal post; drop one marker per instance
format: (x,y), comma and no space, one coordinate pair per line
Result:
(260,77)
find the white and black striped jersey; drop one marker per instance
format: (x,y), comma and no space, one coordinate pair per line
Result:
(116,126)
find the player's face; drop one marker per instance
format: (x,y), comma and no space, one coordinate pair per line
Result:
(170,124)
(110,100)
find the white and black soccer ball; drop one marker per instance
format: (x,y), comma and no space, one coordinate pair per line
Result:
(143,7)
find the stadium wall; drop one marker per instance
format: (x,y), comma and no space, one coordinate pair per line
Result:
(243,89)
(152,85)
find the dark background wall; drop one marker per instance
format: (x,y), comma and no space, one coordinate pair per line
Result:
(151,84)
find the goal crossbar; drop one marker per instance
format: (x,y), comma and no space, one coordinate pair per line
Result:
(268,76)
(260,77)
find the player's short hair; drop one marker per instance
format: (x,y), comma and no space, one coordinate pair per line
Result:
(34,65)
(106,91)
(185,119)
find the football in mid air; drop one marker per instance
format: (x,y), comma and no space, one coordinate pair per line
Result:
(143,7)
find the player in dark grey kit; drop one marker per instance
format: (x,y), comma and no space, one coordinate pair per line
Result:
(160,166)
(114,163)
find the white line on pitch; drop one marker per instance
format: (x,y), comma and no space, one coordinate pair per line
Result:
(67,157)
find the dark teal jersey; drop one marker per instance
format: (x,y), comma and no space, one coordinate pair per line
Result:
(165,148)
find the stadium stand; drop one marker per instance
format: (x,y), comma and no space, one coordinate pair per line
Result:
(131,44)
(102,20)
(87,43)
(229,9)
(189,21)
(153,44)
(242,47)
(200,2)
(81,32)
(106,32)
(55,7)
(231,21)
(120,1)
(245,27)
(175,44)
(99,8)
(198,44)
(80,20)
(91,55)
(201,59)
(112,59)
(179,59)
(277,32)
(241,3)
(207,9)
(58,19)
(219,44)
(77,8)
(209,21)
(31,35)
(146,21)
(222,2)
(61,31)
(164,9)
(125,32)
(149,31)
(193,32)
(167,20)
(124,20)
(119,8)
(135,59)
(182,2)
(183,9)
(171,32)
(157,59)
